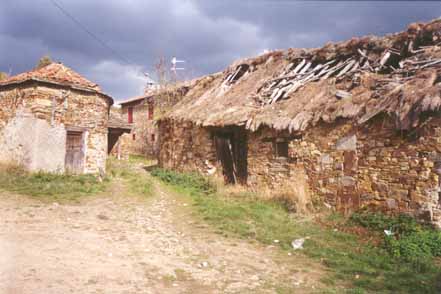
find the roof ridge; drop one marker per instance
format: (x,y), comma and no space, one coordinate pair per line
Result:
(56,73)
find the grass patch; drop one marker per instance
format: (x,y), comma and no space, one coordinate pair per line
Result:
(56,186)
(137,182)
(410,241)
(360,266)
(133,158)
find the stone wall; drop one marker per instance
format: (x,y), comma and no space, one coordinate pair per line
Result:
(44,113)
(185,147)
(346,167)
(144,135)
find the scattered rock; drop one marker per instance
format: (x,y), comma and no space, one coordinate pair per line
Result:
(297,243)
(102,217)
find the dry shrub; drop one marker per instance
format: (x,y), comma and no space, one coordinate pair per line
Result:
(295,194)
(226,189)
(11,168)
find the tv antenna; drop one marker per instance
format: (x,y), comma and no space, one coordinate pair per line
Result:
(174,63)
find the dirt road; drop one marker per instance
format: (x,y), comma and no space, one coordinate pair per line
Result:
(116,243)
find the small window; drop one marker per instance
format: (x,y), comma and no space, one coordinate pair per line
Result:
(133,137)
(153,137)
(151,108)
(130,115)
(281,149)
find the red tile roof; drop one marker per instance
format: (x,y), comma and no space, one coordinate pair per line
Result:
(55,73)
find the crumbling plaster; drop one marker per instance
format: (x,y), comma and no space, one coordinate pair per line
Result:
(33,123)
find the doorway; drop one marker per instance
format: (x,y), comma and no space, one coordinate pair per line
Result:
(74,161)
(232,153)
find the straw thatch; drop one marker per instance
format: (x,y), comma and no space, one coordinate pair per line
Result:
(358,79)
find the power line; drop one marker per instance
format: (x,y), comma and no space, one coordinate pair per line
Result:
(90,33)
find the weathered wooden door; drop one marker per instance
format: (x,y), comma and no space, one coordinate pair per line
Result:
(232,152)
(225,156)
(74,152)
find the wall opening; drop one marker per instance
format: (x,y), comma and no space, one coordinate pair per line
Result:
(280,149)
(232,152)
(74,161)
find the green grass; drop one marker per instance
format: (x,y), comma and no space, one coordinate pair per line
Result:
(358,265)
(410,241)
(137,182)
(54,186)
(133,158)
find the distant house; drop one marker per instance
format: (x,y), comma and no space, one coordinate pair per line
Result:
(138,112)
(55,120)
(143,112)
(359,121)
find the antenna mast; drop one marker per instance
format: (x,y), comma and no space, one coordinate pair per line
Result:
(174,67)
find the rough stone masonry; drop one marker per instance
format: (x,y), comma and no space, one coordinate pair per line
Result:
(38,110)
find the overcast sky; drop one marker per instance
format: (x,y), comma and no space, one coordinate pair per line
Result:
(208,34)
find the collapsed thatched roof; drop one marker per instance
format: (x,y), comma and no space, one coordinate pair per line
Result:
(397,74)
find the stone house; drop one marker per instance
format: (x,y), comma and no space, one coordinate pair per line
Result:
(138,112)
(118,129)
(358,120)
(53,119)
(142,113)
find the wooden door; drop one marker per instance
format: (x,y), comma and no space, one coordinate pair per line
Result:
(232,153)
(74,152)
(225,156)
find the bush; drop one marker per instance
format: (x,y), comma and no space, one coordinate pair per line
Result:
(411,241)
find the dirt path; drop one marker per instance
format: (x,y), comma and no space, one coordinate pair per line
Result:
(115,243)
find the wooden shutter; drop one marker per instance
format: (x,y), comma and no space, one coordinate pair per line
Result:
(150,115)
(130,115)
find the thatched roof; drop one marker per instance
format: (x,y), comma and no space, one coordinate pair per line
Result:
(397,74)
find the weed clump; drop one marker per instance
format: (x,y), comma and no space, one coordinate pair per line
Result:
(407,239)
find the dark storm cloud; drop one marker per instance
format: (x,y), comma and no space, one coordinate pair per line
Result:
(207,34)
